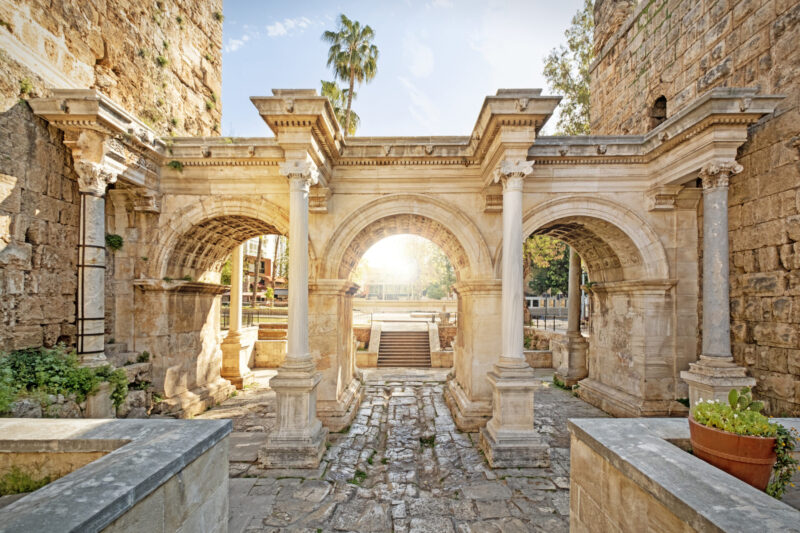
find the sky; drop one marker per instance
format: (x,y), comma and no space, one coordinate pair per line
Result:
(438,58)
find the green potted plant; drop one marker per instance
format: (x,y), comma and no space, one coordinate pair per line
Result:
(738,439)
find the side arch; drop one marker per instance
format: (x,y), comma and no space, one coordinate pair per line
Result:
(445,225)
(610,237)
(207,228)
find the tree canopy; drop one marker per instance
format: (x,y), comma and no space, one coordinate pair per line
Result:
(567,71)
(352,56)
(338,99)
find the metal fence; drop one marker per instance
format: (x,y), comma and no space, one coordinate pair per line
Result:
(254,316)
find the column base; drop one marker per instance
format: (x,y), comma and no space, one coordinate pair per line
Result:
(339,414)
(298,440)
(93,360)
(712,378)
(468,415)
(234,366)
(573,369)
(509,438)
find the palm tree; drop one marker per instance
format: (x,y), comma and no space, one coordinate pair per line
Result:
(353,56)
(338,98)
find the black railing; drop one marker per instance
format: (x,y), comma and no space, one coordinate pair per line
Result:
(254,316)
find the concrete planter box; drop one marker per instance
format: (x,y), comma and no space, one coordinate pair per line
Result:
(119,475)
(630,474)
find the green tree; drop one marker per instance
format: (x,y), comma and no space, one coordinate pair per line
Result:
(567,71)
(225,273)
(549,261)
(352,56)
(338,98)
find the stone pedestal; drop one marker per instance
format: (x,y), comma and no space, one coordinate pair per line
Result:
(235,356)
(715,374)
(573,365)
(299,439)
(509,438)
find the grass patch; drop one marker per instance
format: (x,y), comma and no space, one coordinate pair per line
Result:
(358,478)
(16,482)
(384,461)
(344,430)
(428,442)
(684,401)
(371,458)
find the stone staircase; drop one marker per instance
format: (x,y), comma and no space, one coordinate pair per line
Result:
(404,348)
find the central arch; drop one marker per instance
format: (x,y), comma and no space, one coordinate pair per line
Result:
(417,214)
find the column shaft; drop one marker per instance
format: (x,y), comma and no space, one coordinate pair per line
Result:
(235,325)
(91,278)
(574,294)
(297,346)
(716,299)
(512,299)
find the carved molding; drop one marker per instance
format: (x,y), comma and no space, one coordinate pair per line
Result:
(717,173)
(301,172)
(93,178)
(492,203)
(512,172)
(663,198)
(146,201)
(319,200)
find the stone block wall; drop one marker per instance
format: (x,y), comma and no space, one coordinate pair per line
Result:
(162,61)
(39,213)
(159,60)
(679,49)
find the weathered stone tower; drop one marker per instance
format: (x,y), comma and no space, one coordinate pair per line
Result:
(653,57)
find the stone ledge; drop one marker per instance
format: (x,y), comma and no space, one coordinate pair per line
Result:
(92,497)
(697,493)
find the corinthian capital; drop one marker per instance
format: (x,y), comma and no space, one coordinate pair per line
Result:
(512,172)
(93,178)
(718,173)
(302,172)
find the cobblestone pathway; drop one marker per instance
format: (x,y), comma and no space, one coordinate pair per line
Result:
(402,466)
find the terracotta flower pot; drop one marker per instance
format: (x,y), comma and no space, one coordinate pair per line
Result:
(748,458)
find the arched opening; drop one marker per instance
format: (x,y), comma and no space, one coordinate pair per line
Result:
(405,311)
(183,314)
(630,360)
(658,113)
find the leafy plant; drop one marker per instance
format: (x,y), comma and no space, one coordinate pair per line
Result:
(209,105)
(25,86)
(8,389)
(162,61)
(114,242)
(143,357)
(358,478)
(187,278)
(118,380)
(218,16)
(742,416)
(175,165)
(786,464)
(527,342)
(16,481)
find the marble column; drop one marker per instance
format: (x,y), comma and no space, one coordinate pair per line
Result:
(716,373)
(573,364)
(93,178)
(509,438)
(235,353)
(298,440)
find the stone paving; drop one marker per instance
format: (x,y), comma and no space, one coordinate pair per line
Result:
(401,466)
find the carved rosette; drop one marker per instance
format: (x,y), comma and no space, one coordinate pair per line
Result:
(512,172)
(93,178)
(717,174)
(302,173)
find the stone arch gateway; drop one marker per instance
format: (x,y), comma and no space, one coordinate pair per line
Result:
(629,204)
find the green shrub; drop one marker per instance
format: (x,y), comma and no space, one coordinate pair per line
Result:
(38,372)
(175,165)
(143,357)
(17,482)
(114,242)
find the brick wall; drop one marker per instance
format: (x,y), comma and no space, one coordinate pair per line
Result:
(680,49)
